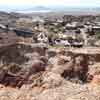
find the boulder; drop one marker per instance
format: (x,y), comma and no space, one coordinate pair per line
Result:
(51,80)
(37,66)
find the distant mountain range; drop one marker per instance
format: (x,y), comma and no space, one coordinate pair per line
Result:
(52,9)
(34,9)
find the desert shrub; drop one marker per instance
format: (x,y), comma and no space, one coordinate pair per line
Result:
(98,35)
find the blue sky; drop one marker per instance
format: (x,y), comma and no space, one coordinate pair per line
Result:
(32,3)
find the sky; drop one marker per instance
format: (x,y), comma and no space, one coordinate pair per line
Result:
(50,2)
(31,3)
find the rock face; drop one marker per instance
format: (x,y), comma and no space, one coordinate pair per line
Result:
(8,38)
(76,67)
(39,73)
(17,65)
(81,67)
(31,59)
(52,80)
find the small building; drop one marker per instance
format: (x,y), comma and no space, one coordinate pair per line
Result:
(96,29)
(23,32)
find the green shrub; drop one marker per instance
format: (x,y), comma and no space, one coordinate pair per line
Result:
(98,35)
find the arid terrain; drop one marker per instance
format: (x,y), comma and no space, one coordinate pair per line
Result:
(49,57)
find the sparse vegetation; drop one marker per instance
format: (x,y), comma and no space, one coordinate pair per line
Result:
(49,57)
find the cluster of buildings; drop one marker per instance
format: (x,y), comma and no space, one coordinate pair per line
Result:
(65,30)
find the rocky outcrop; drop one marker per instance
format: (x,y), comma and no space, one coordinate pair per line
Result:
(19,62)
(47,73)
(70,67)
